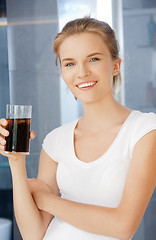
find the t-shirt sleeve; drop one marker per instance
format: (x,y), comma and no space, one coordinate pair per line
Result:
(146,124)
(50,144)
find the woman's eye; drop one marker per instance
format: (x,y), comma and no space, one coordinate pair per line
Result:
(69,64)
(94,59)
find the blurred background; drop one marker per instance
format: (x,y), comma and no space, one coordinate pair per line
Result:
(28,74)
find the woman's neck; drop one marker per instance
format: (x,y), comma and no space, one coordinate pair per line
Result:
(103,114)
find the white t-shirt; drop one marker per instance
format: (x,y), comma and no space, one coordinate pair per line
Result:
(100,182)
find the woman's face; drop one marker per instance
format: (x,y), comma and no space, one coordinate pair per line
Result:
(87,66)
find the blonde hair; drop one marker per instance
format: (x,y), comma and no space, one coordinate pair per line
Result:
(91,25)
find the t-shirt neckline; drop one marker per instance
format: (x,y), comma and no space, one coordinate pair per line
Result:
(107,152)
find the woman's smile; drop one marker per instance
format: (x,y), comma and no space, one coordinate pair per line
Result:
(86,85)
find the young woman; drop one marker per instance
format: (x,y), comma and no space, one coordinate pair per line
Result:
(96,174)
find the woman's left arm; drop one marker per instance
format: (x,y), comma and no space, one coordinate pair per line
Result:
(121,222)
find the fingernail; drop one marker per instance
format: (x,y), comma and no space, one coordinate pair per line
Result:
(5,133)
(5,122)
(3,141)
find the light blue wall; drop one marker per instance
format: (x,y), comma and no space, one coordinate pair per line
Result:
(33,77)
(140,62)
(5,177)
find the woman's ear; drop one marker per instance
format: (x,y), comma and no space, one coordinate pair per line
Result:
(116,67)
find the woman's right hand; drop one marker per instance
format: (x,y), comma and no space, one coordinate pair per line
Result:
(3,133)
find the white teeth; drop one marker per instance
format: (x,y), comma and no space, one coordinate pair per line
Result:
(86,84)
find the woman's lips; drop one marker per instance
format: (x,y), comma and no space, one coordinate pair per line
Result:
(86,85)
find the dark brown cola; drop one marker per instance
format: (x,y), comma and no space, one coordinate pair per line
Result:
(18,139)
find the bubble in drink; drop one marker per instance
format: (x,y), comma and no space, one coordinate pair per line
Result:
(18,139)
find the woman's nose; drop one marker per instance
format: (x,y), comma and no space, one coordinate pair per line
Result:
(83,71)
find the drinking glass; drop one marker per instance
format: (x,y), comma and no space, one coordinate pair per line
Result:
(19,119)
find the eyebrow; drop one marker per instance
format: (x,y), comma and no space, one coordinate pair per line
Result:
(90,55)
(93,54)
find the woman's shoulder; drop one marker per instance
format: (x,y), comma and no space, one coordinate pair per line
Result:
(141,124)
(144,118)
(56,139)
(63,129)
